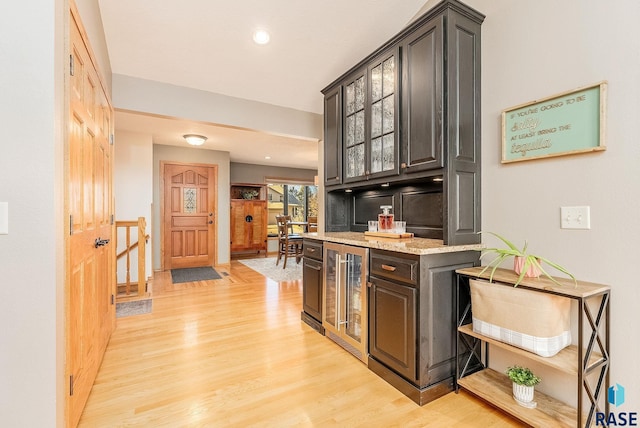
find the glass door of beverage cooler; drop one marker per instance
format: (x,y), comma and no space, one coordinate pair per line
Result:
(345,297)
(355,315)
(330,310)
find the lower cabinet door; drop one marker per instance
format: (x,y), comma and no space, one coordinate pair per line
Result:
(312,287)
(392,326)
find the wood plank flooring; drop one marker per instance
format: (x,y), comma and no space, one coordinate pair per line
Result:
(234,353)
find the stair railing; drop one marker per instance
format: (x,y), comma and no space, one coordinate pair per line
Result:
(141,284)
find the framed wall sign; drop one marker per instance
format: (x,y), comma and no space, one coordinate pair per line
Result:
(564,124)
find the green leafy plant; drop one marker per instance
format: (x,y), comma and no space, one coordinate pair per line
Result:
(522,376)
(529,260)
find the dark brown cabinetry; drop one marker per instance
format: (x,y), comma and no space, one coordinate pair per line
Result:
(333,136)
(423,98)
(392,338)
(312,284)
(429,137)
(412,326)
(248,218)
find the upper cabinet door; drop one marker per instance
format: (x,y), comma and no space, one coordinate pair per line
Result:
(383,117)
(423,100)
(333,136)
(354,141)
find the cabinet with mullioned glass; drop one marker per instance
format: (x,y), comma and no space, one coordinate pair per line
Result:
(410,118)
(371,120)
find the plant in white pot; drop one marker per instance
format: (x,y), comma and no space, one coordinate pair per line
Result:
(524,382)
(524,264)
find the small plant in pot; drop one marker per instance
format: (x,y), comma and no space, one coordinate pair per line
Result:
(524,382)
(525,265)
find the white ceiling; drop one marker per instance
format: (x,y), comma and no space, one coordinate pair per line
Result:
(207,45)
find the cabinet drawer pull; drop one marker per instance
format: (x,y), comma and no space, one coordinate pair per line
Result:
(388,268)
(311,250)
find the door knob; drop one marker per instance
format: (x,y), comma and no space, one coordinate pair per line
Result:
(100,242)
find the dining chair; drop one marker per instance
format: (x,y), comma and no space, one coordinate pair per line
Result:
(289,244)
(313,224)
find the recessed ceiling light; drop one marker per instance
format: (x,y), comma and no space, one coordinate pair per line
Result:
(267,157)
(261,37)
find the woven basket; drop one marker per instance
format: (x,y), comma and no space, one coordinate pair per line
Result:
(534,321)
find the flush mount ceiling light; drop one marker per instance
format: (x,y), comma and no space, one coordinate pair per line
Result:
(261,36)
(195,139)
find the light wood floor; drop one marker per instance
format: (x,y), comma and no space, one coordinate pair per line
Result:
(234,353)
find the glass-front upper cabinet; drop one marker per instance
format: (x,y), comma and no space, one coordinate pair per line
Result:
(383,123)
(355,94)
(371,120)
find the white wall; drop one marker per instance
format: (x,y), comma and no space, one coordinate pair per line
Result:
(31,181)
(202,156)
(133,191)
(163,99)
(534,49)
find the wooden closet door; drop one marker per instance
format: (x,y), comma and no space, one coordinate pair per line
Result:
(258,224)
(245,234)
(90,312)
(239,232)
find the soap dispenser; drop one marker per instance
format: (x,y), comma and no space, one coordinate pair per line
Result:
(385,220)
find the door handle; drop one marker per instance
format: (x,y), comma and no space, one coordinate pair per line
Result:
(100,242)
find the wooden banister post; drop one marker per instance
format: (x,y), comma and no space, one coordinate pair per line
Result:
(142,249)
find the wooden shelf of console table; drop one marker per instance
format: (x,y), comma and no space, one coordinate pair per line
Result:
(565,360)
(589,359)
(496,389)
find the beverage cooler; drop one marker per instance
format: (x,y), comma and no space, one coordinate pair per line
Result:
(344,314)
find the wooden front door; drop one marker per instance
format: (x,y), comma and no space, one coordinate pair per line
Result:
(90,284)
(189,215)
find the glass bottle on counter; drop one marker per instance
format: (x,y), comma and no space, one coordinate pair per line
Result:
(385,220)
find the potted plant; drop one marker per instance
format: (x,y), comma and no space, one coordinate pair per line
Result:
(534,321)
(525,265)
(524,382)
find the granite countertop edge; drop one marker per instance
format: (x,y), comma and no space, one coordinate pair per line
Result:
(419,246)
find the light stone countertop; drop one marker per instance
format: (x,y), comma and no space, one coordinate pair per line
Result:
(419,246)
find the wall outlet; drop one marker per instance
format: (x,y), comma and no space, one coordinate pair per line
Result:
(575,217)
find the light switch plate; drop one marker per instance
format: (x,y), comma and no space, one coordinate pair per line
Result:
(4,218)
(575,217)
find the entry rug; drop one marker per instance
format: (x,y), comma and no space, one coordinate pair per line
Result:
(194,274)
(134,307)
(267,267)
